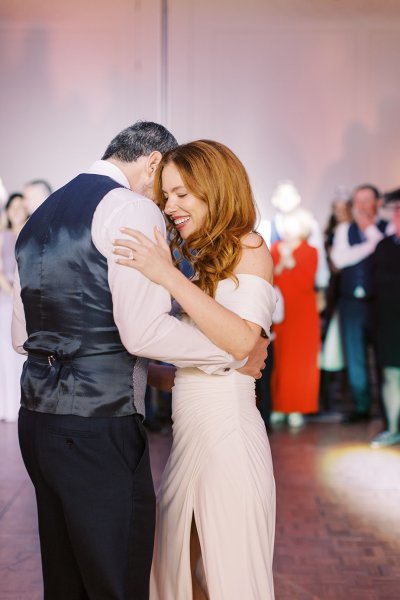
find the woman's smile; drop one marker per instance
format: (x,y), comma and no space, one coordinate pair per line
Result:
(180,221)
(186,211)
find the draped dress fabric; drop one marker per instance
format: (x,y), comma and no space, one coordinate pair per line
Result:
(219,472)
(10,362)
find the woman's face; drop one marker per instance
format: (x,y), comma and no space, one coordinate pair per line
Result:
(341,211)
(186,212)
(16,212)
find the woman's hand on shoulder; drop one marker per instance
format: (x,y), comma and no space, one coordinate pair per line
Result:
(256,259)
(153,260)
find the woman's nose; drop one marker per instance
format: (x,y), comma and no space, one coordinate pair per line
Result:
(170,207)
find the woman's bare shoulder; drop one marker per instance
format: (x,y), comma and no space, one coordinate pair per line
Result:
(256,258)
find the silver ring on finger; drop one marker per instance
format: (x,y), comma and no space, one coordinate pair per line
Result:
(131,255)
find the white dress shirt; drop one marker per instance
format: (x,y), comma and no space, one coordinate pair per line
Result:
(344,255)
(140,307)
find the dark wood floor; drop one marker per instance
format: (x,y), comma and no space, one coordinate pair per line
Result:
(338,521)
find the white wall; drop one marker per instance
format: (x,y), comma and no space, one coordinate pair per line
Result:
(300,89)
(71,76)
(300,94)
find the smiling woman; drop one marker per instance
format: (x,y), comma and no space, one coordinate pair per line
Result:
(206,182)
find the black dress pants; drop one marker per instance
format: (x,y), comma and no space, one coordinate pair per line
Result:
(96,504)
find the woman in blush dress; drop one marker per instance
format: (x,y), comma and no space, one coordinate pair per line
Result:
(219,472)
(10,362)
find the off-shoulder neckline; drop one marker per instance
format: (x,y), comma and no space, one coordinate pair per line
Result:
(238,275)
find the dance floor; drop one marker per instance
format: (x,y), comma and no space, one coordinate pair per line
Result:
(338,518)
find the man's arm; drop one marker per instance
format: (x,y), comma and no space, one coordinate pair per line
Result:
(162,376)
(344,255)
(18,325)
(141,307)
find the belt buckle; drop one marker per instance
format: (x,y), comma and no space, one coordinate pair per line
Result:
(51,359)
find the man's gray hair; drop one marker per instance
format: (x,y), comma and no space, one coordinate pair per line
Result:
(140,139)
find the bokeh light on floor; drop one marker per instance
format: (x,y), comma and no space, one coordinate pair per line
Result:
(363,477)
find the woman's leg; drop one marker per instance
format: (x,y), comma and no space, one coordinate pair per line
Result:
(391,402)
(391,397)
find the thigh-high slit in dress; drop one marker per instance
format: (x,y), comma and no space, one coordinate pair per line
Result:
(220,473)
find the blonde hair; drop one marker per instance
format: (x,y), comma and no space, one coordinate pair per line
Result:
(215,175)
(296,225)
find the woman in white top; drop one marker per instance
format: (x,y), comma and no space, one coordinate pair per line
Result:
(219,472)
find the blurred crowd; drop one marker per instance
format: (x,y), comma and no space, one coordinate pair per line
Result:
(340,309)
(337,317)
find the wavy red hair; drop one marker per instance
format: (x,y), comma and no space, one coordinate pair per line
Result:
(215,175)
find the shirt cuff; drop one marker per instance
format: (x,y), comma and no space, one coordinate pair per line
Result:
(213,370)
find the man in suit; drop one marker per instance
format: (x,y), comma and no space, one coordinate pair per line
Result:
(84,322)
(353,246)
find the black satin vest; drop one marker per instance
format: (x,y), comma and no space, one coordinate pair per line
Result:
(76,361)
(360,274)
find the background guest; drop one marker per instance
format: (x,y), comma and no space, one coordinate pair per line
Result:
(263,385)
(332,358)
(295,375)
(35,193)
(286,199)
(3,201)
(386,274)
(10,362)
(353,246)
(341,212)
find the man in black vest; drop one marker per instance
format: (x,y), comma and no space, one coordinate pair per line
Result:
(353,245)
(83,320)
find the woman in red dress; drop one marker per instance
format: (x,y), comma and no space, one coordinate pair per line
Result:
(295,376)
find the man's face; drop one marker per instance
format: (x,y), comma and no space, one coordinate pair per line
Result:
(35,195)
(364,204)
